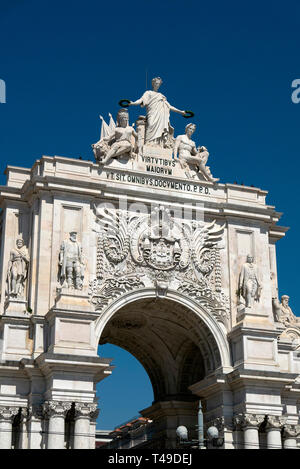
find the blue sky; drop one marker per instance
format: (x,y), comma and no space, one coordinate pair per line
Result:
(232,63)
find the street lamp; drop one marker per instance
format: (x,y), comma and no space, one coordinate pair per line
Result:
(201,442)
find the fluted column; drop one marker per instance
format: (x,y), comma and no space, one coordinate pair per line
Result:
(56,412)
(82,434)
(274,426)
(290,434)
(250,424)
(6,417)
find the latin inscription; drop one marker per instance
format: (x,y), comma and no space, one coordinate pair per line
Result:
(154,182)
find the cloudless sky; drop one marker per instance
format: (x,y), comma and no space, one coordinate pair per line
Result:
(232,63)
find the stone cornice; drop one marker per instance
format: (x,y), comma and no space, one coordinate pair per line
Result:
(226,200)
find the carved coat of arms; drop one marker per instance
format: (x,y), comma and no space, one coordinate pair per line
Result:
(139,249)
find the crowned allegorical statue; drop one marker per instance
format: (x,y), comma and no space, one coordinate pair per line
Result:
(249,284)
(193,160)
(71,267)
(17,270)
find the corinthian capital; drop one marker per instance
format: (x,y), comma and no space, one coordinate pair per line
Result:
(56,408)
(291,431)
(8,413)
(275,421)
(83,409)
(251,420)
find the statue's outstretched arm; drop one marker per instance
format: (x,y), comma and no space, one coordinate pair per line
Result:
(174,109)
(138,102)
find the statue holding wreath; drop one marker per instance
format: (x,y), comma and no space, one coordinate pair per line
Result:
(157,113)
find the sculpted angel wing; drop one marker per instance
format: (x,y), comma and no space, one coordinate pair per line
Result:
(204,240)
(116,240)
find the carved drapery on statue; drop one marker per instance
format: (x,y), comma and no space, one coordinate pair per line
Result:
(154,138)
(249,283)
(136,251)
(115,140)
(17,271)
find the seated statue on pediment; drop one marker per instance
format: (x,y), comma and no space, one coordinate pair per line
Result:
(283,312)
(193,160)
(116,140)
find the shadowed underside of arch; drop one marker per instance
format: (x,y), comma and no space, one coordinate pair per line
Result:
(173,344)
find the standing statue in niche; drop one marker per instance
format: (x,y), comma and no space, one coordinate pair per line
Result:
(283,312)
(118,140)
(249,285)
(193,160)
(17,270)
(70,262)
(158,113)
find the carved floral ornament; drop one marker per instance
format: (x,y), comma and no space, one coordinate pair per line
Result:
(8,412)
(136,251)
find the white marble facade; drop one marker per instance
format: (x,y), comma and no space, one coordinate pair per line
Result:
(160,266)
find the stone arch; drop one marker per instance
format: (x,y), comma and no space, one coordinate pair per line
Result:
(176,340)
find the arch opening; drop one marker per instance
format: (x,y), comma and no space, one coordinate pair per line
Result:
(172,343)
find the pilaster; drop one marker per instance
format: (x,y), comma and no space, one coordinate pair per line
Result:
(7,415)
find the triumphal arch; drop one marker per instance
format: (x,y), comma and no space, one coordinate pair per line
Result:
(143,248)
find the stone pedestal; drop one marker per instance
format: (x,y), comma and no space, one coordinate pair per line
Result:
(72,300)
(15,332)
(16,307)
(72,331)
